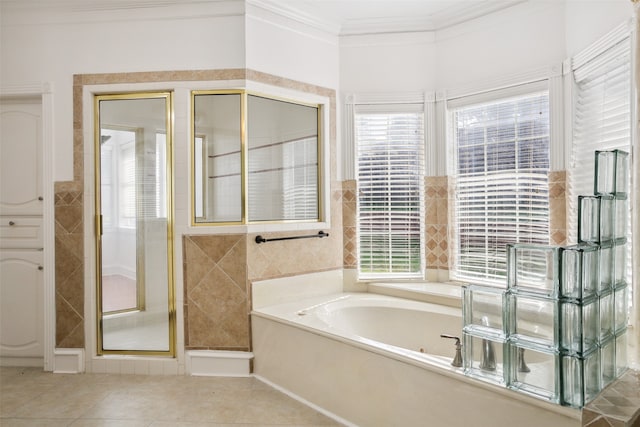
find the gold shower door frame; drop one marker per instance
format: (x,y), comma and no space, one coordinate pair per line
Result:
(140,246)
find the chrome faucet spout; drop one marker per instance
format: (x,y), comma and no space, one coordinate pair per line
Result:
(457,359)
(488,361)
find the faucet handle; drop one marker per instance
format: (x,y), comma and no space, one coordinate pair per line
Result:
(453,337)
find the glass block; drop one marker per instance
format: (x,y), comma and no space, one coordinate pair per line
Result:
(607,262)
(612,170)
(579,326)
(580,275)
(620,218)
(483,308)
(580,379)
(484,357)
(619,262)
(621,353)
(595,218)
(621,308)
(533,319)
(533,268)
(534,370)
(608,362)
(606,316)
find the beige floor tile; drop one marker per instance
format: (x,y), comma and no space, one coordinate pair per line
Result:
(30,397)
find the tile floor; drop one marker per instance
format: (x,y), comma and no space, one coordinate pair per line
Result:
(30,397)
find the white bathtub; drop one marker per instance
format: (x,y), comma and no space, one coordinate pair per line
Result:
(374,360)
(393,326)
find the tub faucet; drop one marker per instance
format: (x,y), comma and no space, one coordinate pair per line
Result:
(488,361)
(457,360)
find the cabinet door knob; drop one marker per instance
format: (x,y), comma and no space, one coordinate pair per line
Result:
(41,198)
(12,223)
(40,268)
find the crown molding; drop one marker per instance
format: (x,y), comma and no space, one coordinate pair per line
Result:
(310,14)
(448,17)
(296,14)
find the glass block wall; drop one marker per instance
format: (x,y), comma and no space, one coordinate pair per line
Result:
(558,332)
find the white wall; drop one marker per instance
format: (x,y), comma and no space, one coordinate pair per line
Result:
(388,63)
(46,45)
(587,21)
(286,48)
(532,35)
(516,40)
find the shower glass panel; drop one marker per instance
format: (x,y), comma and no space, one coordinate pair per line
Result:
(255,159)
(134,239)
(282,159)
(217,119)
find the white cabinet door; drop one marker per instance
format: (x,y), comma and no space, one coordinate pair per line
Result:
(21,157)
(21,317)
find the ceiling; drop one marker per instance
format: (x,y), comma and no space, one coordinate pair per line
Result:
(340,17)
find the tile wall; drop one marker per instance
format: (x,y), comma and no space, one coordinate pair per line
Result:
(558,207)
(436,190)
(216,293)
(69,272)
(349,212)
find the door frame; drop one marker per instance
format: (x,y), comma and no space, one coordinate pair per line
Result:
(44,90)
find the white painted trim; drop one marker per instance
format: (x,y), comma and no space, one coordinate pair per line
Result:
(45,91)
(557,123)
(48,228)
(503,82)
(68,361)
(348,157)
(305,402)
(134,365)
(635,180)
(90,310)
(449,17)
(218,363)
(604,43)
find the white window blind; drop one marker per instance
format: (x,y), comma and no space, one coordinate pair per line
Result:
(390,180)
(602,120)
(161,176)
(501,182)
(106,184)
(127,185)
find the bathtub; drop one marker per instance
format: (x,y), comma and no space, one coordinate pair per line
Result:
(377,360)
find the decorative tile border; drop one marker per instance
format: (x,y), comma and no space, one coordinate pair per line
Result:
(558,207)
(436,190)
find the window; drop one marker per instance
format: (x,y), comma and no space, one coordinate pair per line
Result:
(501,165)
(127,185)
(602,119)
(127,192)
(390,182)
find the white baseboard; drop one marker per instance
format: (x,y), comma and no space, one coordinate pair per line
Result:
(68,360)
(218,363)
